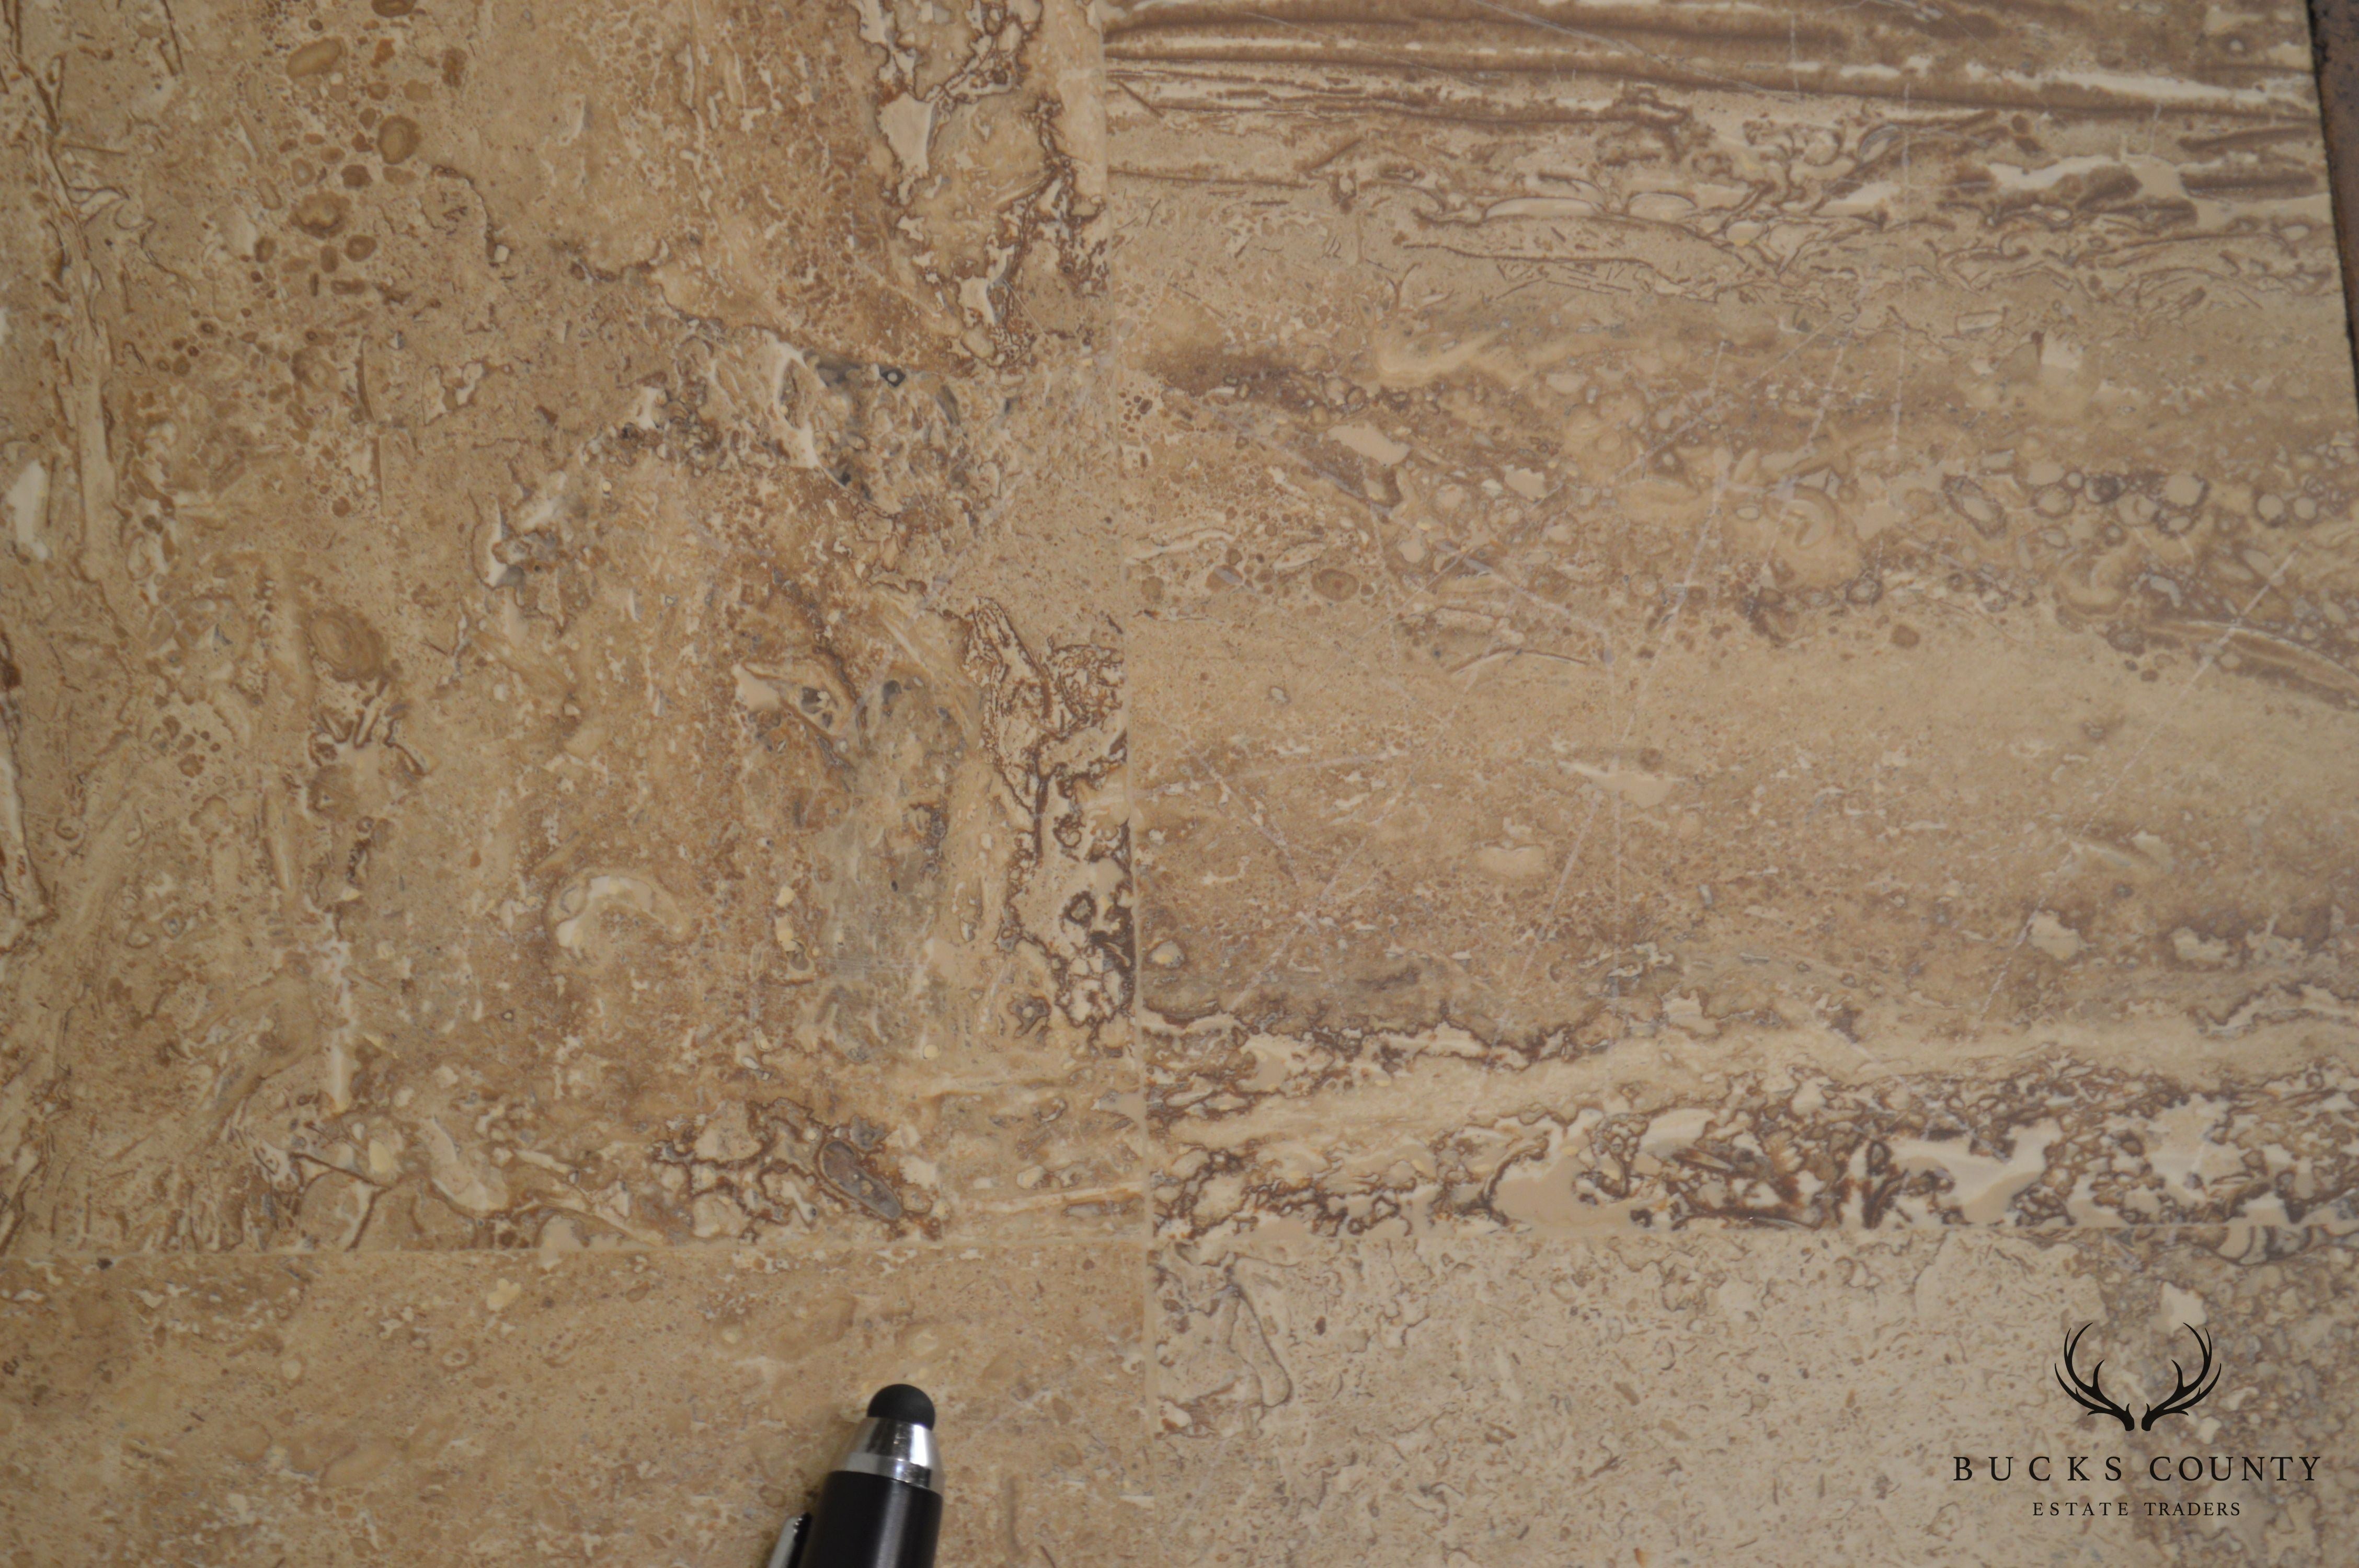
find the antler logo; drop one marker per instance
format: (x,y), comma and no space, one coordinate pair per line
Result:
(2089,1393)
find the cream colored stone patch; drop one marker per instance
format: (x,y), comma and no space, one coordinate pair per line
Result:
(582,901)
(1369,442)
(1587,1390)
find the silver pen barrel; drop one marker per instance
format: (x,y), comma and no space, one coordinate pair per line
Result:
(897,1449)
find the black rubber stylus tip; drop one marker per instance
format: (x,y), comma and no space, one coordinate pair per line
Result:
(899,1401)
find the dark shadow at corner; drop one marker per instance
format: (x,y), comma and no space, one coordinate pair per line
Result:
(2334,46)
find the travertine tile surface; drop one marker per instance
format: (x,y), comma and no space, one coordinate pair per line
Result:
(562,657)
(669,1407)
(1763,1396)
(1741,628)
(1677,586)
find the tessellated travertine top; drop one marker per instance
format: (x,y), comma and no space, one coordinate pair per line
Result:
(1424,783)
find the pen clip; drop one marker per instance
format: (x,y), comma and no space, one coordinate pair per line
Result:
(789,1548)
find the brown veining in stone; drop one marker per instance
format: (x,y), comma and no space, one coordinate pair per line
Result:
(1695,562)
(2046,1141)
(519,654)
(1612,739)
(2061,57)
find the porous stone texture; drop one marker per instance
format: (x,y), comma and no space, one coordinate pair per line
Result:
(1744,612)
(1430,782)
(1763,1395)
(557,672)
(501,1407)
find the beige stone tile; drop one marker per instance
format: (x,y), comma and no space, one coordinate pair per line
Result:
(1741,554)
(1762,1396)
(556,654)
(671,1406)
(1447,60)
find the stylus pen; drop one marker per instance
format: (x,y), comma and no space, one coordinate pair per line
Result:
(881,1506)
